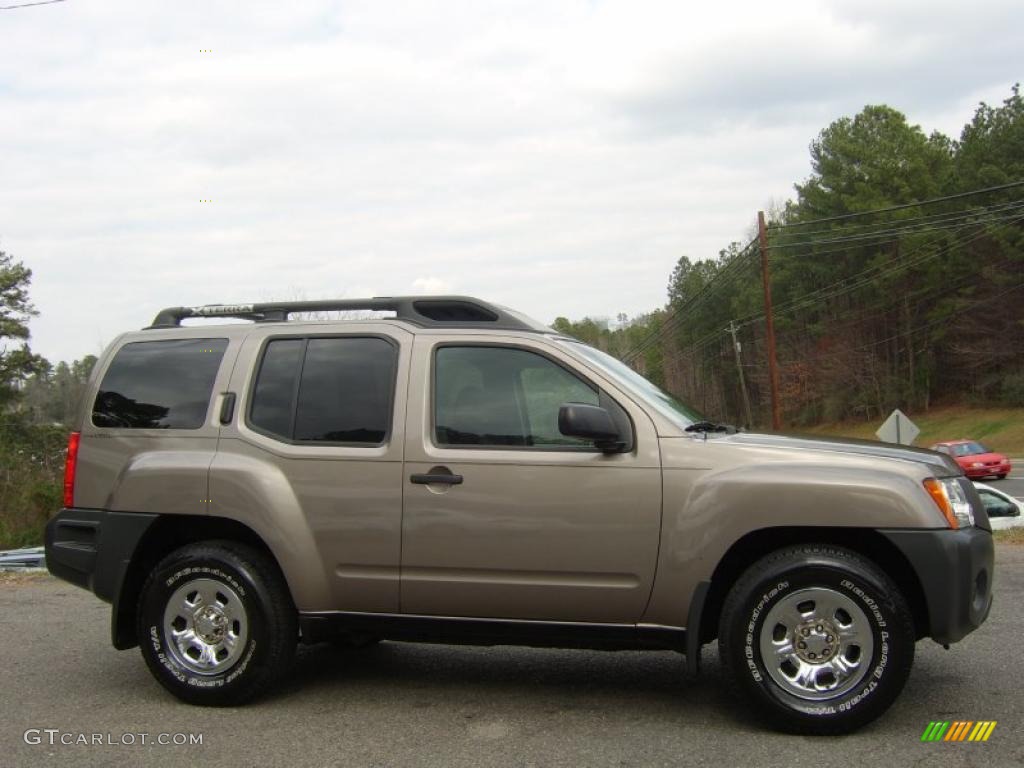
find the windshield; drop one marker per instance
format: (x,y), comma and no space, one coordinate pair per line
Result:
(652,395)
(969,449)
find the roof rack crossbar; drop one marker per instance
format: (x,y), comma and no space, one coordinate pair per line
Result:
(424,311)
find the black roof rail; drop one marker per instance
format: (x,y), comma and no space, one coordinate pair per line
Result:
(424,311)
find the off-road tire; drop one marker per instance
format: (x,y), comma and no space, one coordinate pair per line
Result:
(245,599)
(854,617)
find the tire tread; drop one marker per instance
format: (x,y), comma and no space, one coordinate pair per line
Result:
(796,556)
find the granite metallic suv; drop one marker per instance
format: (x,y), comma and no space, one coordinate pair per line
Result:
(448,470)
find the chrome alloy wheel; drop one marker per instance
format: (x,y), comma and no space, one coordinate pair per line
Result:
(205,626)
(817,643)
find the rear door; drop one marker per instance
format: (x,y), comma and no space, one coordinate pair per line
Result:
(312,459)
(541,526)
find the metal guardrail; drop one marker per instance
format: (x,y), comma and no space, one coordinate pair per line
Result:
(30,559)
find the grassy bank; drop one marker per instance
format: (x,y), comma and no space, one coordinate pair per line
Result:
(1001,429)
(1010,536)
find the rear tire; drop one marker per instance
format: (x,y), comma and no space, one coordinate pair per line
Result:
(216,623)
(816,639)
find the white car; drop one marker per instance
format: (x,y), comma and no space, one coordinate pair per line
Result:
(1004,511)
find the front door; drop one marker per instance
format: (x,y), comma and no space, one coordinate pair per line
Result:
(540,526)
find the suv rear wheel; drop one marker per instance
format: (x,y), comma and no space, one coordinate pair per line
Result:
(216,623)
(817,639)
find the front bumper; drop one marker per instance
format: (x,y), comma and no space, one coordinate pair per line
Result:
(980,472)
(955,569)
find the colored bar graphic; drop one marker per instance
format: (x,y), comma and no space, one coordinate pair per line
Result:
(934,731)
(959,730)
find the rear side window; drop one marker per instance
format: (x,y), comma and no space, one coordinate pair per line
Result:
(159,384)
(273,400)
(325,390)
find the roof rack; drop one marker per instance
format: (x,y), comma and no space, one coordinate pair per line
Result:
(424,311)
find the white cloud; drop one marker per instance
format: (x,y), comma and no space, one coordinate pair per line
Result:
(431,286)
(557,157)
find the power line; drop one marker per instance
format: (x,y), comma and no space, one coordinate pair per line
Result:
(812,299)
(902,222)
(729,272)
(949,221)
(677,315)
(930,201)
(986,214)
(908,226)
(914,258)
(28,5)
(923,227)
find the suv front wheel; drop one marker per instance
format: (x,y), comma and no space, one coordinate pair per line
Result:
(817,638)
(216,623)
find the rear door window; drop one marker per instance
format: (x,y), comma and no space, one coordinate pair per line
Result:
(326,390)
(159,384)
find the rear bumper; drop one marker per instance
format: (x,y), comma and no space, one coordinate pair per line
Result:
(93,549)
(955,569)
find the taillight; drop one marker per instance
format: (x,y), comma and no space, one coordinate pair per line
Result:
(70,465)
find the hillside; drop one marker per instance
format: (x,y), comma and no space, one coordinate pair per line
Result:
(1001,429)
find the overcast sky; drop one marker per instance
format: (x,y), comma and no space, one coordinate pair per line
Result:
(557,157)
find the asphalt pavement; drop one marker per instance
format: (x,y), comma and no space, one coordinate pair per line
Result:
(1012,484)
(421,705)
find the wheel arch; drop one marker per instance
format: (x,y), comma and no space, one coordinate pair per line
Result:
(864,541)
(166,534)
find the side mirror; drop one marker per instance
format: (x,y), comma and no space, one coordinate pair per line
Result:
(590,422)
(996,507)
(1003,510)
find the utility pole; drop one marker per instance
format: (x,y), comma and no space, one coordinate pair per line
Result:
(773,370)
(739,369)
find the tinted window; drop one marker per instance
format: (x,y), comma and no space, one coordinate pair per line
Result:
(344,394)
(159,384)
(273,400)
(494,396)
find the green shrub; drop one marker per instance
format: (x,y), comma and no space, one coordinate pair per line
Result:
(31,479)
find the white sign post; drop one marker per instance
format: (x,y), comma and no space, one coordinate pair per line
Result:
(898,429)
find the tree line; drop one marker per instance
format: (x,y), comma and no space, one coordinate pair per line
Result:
(38,400)
(897,277)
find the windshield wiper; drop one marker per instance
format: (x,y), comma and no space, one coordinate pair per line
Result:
(710,426)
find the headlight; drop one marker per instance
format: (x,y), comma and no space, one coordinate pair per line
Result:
(977,465)
(949,497)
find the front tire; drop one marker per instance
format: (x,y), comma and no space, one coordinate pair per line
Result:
(216,624)
(817,639)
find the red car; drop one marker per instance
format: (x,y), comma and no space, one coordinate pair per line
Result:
(975,459)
